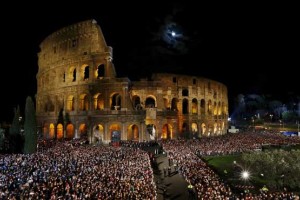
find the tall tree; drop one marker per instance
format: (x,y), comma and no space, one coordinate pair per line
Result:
(60,120)
(15,138)
(15,125)
(30,128)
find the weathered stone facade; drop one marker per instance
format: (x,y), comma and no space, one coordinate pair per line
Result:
(76,75)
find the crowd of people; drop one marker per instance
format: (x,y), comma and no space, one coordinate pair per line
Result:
(76,170)
(186,154)
(72,170)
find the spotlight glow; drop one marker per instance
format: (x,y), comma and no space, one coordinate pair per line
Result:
(245,175)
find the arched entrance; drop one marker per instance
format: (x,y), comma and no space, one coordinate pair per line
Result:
(51,131)
(59,131)
(166,132)
(133,133)
(98,134)
(203,129)
(83,131)
(70,131)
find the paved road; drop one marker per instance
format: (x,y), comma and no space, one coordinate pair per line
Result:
(171,186)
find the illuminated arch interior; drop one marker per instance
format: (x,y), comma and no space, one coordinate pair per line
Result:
(60,131)
(51,131)
(70,131)
(133,132)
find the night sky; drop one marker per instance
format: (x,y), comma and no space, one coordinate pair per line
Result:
(250,48)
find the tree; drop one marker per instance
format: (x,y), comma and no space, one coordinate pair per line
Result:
(30,128)
(15,137)
(60,120)
(15,125)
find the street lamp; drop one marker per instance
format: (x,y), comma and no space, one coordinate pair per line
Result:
(245,175)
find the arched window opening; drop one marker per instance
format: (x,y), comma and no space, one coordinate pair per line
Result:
(185,92)
(185,106)
(150,102)
(74,75)
(174,106)
(194,106)
(202,105)
(86,73)
(136,102)
(215,108)
(84,102)
(70,103)
(100,71)
(64,77)
(209,107)
(116,102)
(98,102)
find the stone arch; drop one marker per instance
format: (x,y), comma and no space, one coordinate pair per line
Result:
(194,128)
(219,109)
(215,129)
(72,74)
(215,108)
(151,130)
(174,104)
(63,75)
(219,128)
(222,127)
(59,131)
(167,132)
(51,131)
(70,131)
(202,106)
(84,102)
(98,102)
(83,131)
(115,101)
(98,133)
(185,92)
(100,71)
(150,102)
(185,106)
(209,107)
(136,100)
(133,132)
(70,103)
(203,129)
(114,127)
(85,69)
(194,106)
(185,130)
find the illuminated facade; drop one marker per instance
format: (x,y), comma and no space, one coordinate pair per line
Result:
(76,74)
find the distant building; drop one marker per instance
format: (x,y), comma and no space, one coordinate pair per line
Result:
(76,74)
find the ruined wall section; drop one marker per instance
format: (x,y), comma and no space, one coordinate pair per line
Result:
(66,57)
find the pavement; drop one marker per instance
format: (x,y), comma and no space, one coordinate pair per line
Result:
(169,185)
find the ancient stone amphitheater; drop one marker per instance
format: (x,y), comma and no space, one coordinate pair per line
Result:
(80,95)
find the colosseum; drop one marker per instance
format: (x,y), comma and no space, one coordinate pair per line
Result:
(80,95)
